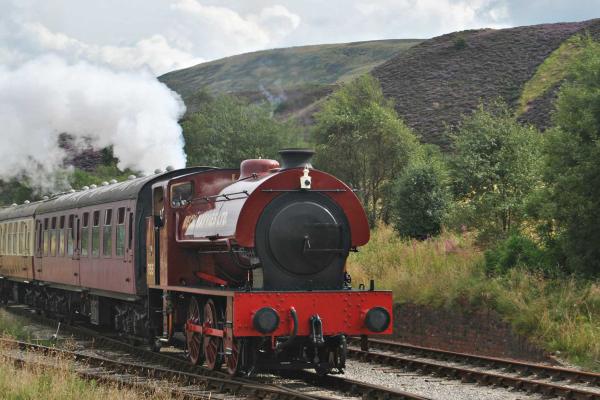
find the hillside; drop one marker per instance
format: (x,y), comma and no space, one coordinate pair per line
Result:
(437,81)
(287,67)
(296,76)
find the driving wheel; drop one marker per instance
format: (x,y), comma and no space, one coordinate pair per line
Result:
(194,339)
(211,344)
(234,360)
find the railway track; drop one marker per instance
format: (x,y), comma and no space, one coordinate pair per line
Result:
(533,378)
(175,367)
(179,384)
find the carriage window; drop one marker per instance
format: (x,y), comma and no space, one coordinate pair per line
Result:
(15,249)
(20,244)
(182,194)
(120,244)
(53,235)
(61,236)
(96,234)
(85,235)
(70,235)
(46,237)
(9,239)
(23,238)
(1,238)
(107,234)
(26,235)
(6,247)
(19,237)
(13,238)
(39,235)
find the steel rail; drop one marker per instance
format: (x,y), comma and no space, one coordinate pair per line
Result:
(209,384)
(510,365)
(334,383)
(471,375)
(354,387)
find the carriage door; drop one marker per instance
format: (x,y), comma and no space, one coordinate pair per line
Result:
(154,231)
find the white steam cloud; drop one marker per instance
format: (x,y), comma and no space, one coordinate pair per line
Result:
(46,97)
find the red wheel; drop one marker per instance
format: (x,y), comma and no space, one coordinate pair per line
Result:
(211,344)
(233,361)
(194,339)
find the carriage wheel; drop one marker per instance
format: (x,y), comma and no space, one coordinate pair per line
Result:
(211,344)
(234,360)
(194,339)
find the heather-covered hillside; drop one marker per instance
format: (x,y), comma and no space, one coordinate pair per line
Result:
(286,67)
(437,81)
(293,78)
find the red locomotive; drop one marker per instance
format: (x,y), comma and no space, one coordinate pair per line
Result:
(248,265)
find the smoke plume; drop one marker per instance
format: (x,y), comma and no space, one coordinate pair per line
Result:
(46,97)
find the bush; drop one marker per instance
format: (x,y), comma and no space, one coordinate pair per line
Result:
(420,200)
(460,42)
(516,250)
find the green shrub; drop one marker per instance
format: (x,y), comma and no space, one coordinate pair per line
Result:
(516,250)
(460,42)
(420,200)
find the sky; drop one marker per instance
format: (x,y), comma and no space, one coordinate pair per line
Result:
(162,35)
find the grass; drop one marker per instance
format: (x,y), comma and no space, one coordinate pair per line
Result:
(57,380)
(407,266)
(13,326)
(553,70)
(562,316)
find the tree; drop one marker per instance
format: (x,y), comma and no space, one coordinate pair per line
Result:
(225,131)
(572,170)
(496,165)
(360,139)
(421,197)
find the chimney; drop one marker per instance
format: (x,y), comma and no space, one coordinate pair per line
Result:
(296,158)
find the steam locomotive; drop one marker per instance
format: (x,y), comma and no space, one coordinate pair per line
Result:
(244,266)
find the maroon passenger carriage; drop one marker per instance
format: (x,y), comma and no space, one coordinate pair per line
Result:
(248,265)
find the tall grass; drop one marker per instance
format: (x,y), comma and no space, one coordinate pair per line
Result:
(52,378)
(56,380)
(561,315)
(437,271)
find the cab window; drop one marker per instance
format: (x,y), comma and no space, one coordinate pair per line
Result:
(182,194)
